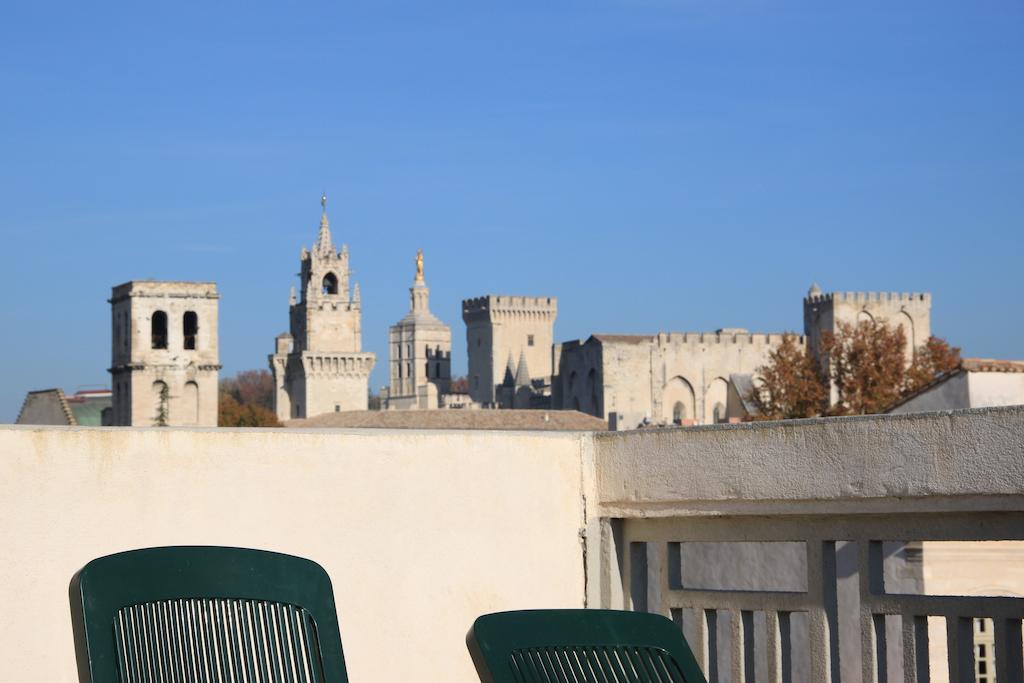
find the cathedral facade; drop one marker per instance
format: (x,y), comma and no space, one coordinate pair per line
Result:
(420,350)
(319,365)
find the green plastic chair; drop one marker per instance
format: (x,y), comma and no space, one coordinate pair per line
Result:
(205,614)
(580,646)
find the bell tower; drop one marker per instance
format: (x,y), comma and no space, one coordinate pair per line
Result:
(320,367)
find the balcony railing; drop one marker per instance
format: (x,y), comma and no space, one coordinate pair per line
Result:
(839,512)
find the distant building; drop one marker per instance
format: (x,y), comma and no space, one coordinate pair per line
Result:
(668,378)
(707,377)
(539,420)
(319,366)
(975,383)
(165,361)
(86,408)
(505,330)
(420,350)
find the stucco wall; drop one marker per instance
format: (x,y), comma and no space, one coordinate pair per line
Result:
(894,463)
(420,531)
(996,389)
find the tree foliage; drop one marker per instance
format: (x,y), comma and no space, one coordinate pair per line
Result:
(791,384)
(865,363)
(251,387)
(246,400)
(935,358)
(867,366)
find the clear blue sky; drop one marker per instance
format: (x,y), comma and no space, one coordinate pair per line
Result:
(656,164)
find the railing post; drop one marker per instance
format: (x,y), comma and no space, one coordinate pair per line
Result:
(915,649)
(960,649)
(872,627)
(823,622)
(1009,664)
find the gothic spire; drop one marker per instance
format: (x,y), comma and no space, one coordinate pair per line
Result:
(323,239)
(522,373)
(510,371)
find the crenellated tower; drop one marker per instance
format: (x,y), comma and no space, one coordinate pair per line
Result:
(319,366)
(501,326)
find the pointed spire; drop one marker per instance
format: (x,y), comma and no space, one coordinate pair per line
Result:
(510,371)
(523,373)
(815,290)
(291,297)
(323,239)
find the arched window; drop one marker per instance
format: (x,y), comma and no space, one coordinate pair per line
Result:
(678,413)
(159,330)
(718,414)
(190,329)
(190,404)
(330,284)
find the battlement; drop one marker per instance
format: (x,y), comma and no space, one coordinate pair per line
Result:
(175,289)
(502,304)
(737,337)
(865,297)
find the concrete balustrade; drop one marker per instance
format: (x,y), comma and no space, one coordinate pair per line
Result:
(422,531)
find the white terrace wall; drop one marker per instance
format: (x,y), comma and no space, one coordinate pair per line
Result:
(423,531)
(420,531)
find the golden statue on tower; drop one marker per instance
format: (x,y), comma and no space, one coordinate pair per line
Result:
(419,265)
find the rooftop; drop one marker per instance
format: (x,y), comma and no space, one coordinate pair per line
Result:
(541,420)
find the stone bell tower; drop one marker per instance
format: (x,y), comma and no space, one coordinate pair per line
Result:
(319,366)
(164,356)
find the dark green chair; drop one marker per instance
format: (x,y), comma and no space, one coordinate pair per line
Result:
(580,646)
(205,614)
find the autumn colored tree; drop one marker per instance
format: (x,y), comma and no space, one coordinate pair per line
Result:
(935,358)
(866,363)
(246,400)
(791,384)
(867,366)
(251,387)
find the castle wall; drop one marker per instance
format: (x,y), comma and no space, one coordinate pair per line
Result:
(912,311)
(659,378)
(332,382)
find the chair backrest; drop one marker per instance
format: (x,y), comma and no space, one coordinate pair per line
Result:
(205,614)
(580,645)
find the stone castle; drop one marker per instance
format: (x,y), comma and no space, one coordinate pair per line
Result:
(705,377)
(165,357)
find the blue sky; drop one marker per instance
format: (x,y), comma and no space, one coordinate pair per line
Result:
(655,164)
